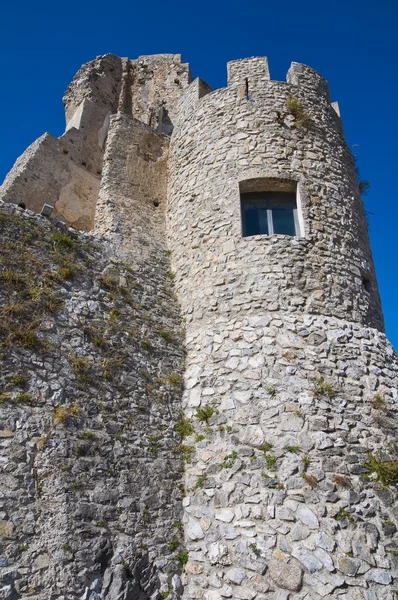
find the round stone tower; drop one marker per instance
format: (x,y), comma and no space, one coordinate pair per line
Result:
(290,382)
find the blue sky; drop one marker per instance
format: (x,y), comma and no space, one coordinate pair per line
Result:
(351,42)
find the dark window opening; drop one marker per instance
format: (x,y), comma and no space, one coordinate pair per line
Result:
(267,213)
(367,283)
(247,89)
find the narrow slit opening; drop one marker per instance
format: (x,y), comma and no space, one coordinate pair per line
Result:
(247,89)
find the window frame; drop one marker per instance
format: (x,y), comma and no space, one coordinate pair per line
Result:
(257,197)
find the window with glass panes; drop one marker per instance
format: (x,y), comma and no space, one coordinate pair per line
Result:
(268,213)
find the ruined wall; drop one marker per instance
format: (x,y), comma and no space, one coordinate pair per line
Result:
(92,358)
(66,172)
(290,388)
(132,199)
(158,82)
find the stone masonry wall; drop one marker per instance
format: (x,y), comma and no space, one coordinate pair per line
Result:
(66,172)
(291,416)
(226,139)
(290,389)
(92,359)
(132,199)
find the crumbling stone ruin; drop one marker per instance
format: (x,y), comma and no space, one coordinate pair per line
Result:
(197,398)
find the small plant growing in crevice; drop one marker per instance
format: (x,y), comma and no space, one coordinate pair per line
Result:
(63,240)
(378,401)
(62,413)
(386,471)
(81,367)
(168,336)
(109,282)
(271,390)
(254,549)
(296,108)
(184,428)
(310,479)
(183,558)
(343,514)
(266,447)
(173,544)
(146,345)
(23,398)
(292,449)
(205,413)
(342,480)
(186,452)
(174,380)
(323,388)
(201,481)
(19,379)
(179,526)
(270,461)
(229,460)
(114,315)
(153,449)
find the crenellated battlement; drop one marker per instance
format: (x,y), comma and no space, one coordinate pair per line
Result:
(249,80)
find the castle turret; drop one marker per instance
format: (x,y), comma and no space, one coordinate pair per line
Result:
(287,369)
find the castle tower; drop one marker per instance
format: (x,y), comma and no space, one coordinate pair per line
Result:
(287,367)
(287,423)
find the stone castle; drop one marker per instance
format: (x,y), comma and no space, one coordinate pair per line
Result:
(209,409)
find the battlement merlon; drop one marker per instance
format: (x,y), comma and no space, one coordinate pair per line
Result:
(251,69)
(306,77)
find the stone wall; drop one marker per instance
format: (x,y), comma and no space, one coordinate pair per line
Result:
(223,139)
(291,413)
(132,199)
(66,172)
(290,389)
(92,359)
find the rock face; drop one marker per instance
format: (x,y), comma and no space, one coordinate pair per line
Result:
(287,421)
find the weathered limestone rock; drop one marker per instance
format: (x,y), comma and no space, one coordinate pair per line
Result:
(288,576)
